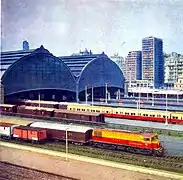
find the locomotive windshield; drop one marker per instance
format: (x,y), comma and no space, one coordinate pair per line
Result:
(154,138)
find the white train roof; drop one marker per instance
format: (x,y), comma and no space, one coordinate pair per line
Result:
(6,105)
(41,102)
(38,108)
(155,91)
(57,126)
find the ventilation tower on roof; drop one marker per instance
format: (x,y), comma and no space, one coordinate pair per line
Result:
(25,45)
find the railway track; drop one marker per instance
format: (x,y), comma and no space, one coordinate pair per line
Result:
(16,172)
(96,124)
(169,163)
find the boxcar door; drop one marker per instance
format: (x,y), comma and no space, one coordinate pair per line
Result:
(25,134)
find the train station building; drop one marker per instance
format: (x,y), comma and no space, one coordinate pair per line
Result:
(33,74)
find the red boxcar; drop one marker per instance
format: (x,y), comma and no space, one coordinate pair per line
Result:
(30,133)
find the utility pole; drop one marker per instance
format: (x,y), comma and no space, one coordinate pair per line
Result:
(86,95)
(39,96)
(66,138)
(92,95)
(106,92)
(166,122)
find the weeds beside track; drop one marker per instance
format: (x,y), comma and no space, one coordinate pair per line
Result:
(169,163)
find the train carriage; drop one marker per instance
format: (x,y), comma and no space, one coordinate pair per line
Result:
(81,116)
(133,114)
(8,108)
(177,117)
(123,113)
(36,111)
(76,134)
(37,103)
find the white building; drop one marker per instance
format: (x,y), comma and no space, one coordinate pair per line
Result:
(120,61)
(173,67)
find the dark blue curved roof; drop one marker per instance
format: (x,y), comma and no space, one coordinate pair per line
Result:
(77,62)
(100,71)
(39,70)
(9,57)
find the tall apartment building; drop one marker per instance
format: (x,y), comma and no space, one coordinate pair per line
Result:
(173,67)
(120,61)
(134,66)
(153,61)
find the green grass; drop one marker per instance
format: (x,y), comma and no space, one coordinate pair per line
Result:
(173,164)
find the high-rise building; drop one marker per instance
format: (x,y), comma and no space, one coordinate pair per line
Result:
(25,45)
(173,67)
(153,61)
(133,66)
(119,60)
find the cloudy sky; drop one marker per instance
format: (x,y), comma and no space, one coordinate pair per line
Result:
(65,26)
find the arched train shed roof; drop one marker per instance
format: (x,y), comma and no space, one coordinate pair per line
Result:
(95,69)
(38,70)
(100,71)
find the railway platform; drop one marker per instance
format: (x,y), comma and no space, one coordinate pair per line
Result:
(145,124)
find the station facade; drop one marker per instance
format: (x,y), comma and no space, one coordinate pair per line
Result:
(33,74)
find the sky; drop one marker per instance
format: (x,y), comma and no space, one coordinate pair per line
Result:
(66,26)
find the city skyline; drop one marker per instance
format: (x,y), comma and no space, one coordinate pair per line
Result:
(65,27)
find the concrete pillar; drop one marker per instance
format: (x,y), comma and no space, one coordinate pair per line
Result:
(77,92)
(2,94)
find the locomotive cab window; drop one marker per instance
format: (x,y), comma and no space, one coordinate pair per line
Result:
(146,139)
(154,138)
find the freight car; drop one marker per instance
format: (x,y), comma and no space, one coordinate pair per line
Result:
(76,134)
(18,132)
(6,130)
(29,134)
